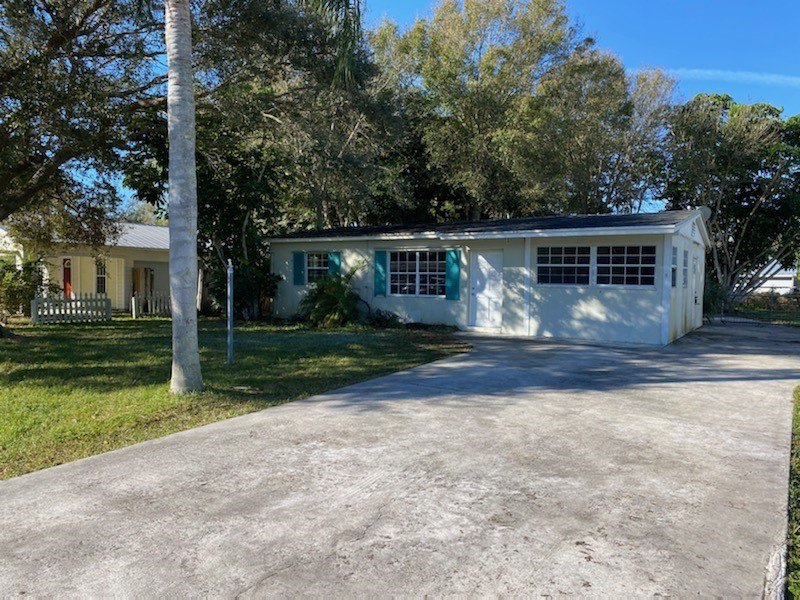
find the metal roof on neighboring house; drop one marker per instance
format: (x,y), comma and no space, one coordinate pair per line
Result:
(139,235)
(500,226)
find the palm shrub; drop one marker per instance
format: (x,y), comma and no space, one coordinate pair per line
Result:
(331,301)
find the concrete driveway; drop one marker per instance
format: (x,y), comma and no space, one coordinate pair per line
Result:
(521,468)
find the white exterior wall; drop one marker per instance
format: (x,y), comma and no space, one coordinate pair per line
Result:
(615,313)
(686,302)
(630,314)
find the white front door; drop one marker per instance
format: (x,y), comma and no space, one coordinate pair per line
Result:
(486,289)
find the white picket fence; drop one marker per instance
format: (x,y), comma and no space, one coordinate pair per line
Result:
(84,308)
(154,304)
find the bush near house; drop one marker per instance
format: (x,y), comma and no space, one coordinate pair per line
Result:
(331,302)
(18,286)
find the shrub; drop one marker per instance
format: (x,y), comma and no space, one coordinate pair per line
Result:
(253,287)
(715,299)
(19,285)
(384,319)
(331,302)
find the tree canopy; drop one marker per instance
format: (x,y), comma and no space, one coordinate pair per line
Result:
(487,108)
(743,162)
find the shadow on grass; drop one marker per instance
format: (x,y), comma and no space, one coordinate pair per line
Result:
(271,362)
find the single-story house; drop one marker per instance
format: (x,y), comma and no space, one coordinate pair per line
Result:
(780,281)
(136,262)
(612,278)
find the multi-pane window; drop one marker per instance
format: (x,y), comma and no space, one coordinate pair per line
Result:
(674,266)
(563,265)
(626,265)
(316,266)
(100,276)
(417,273)
(685,268)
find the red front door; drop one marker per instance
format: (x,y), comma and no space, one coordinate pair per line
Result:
(66,269)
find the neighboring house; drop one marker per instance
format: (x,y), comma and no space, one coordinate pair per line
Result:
(616,278)
(784,281)
(138,262)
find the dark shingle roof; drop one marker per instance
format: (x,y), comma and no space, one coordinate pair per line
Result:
(672,217)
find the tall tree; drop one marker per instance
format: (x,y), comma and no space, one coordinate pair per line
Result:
(472,65)
(742,162)
(73,73)
(186,375)
(591,138)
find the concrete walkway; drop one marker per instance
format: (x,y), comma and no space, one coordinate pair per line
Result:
(522,468)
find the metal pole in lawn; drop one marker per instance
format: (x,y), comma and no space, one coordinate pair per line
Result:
(230,312)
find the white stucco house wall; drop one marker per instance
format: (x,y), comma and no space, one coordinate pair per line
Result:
(612,278)
(136,262)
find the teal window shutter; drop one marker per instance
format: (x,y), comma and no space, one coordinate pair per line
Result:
(452,274)
(334,263)
(380,272)
(299,267)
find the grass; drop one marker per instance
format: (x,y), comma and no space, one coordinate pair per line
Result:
(793,562)
(71,391)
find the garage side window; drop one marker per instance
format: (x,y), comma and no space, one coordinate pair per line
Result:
(626,265)
(417,273)
(674,266)
(685,268)
(563,265)
(316,266)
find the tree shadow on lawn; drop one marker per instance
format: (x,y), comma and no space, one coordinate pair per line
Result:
(272,363)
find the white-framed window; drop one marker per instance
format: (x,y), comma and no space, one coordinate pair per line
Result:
(316,266)
(417,273)
(685,268)
(626,265)
(559,265)
(100,276)
(674,266)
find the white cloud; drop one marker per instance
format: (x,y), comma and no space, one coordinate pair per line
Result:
(752,77)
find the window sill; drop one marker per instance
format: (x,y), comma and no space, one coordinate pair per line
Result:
(594,286)
(423,296)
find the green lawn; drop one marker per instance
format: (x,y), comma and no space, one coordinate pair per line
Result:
(71,391)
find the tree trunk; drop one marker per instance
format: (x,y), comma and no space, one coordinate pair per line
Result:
(186,376)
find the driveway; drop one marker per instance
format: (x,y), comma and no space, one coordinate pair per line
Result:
(521,468)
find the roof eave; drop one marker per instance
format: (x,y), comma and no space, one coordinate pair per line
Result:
(573,232)
(484,235)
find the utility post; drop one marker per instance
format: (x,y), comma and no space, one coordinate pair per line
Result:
(230,312)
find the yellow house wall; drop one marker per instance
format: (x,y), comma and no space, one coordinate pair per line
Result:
(119,265)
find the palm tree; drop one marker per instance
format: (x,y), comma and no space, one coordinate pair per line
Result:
(186,375)
(343,17)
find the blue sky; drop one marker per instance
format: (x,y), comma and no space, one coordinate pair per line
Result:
(749,49)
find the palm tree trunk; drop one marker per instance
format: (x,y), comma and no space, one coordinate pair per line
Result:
(186,375)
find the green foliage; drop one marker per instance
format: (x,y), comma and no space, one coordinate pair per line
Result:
(520,115)
(331,302)
(793,566)
(253,287)
(72,74)
(743,163)
(116,392)
(19,285)
(384,319)
(715,298)
(470,66)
